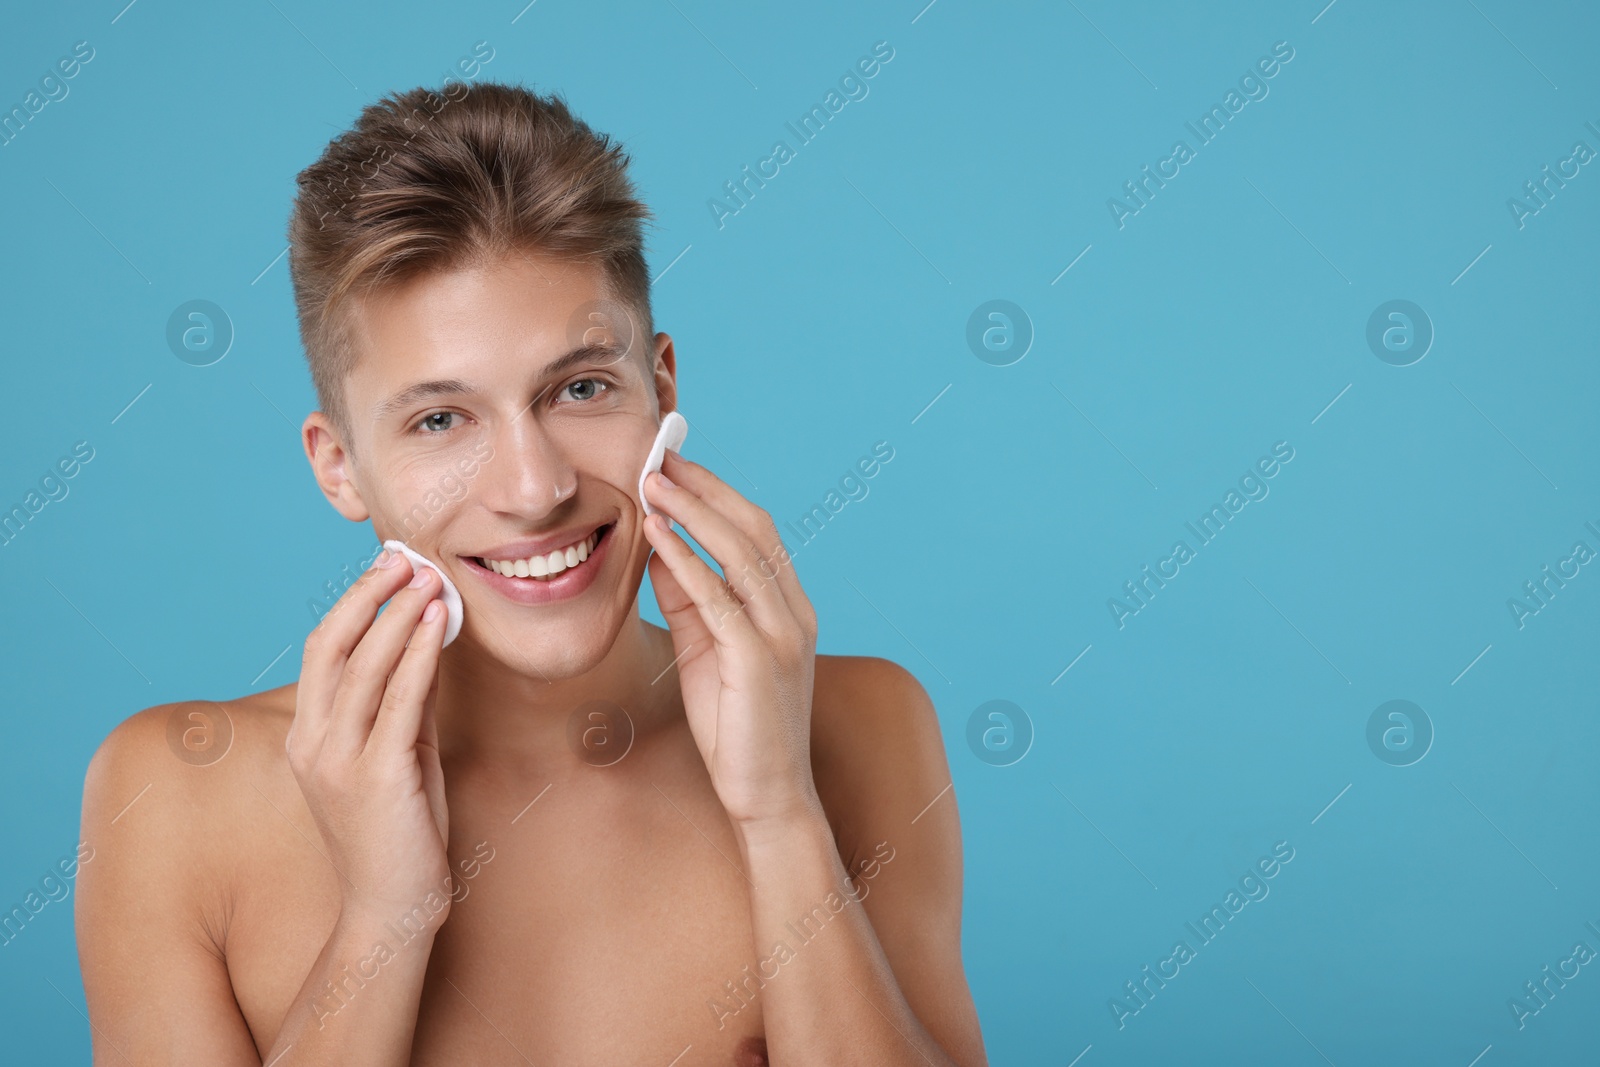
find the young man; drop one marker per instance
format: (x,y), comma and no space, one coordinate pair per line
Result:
(571,837)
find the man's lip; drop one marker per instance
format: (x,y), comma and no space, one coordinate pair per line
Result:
(567,585)
(539,546)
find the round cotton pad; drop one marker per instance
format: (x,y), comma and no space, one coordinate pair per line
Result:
(451,596)
(674,429)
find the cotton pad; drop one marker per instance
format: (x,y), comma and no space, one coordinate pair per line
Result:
(674,429)
(451,596)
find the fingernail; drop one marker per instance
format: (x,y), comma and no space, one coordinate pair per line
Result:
(386,558)
(420,579)
(666,483)
(431,612)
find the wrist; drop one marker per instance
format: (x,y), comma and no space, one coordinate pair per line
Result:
(802,828)
(418,921)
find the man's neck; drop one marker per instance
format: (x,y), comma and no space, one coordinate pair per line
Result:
(492,711)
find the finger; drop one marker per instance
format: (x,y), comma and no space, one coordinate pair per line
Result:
(333,639)
(678,608)
(743,565)
(722,615)
(367,671)
(754,522)
(398,724)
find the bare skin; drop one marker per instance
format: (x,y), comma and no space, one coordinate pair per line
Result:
(410,856)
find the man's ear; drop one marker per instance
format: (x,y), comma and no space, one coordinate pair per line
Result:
(666,374)
(330,464)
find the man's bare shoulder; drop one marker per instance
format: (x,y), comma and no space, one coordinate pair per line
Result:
(191,757)
(884,780)
(877,751)
(865,700)
(173,809)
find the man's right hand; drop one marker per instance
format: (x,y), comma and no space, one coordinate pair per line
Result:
(364,747)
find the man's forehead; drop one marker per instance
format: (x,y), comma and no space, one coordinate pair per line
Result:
(572,318)
(504,289)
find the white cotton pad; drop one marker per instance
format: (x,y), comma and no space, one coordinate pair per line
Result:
(674,429)
(451,596)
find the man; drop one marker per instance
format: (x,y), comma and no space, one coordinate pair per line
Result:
(572,837)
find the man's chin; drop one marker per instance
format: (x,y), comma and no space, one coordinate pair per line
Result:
(550,652)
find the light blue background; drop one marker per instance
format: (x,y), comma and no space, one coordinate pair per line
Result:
(1226,316)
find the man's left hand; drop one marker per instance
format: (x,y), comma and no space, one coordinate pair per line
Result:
(745,643)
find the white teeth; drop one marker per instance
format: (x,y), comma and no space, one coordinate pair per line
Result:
(543,566)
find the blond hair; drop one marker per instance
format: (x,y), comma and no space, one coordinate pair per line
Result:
(433,181)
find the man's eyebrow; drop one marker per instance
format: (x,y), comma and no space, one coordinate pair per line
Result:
(420,391)
(604,352)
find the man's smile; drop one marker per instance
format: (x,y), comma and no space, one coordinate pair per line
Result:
(545,569)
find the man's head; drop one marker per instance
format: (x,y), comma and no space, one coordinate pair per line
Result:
(474,304)
(428,181)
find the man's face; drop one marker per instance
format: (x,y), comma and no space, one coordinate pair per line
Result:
(502,414)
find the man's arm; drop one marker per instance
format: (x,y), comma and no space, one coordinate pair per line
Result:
(146,910)
(879,981)
(152,911)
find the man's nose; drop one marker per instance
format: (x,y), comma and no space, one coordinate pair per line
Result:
(530,472)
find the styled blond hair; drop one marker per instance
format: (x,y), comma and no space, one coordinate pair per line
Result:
(432,181)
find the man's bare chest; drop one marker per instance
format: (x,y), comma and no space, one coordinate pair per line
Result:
(584,929)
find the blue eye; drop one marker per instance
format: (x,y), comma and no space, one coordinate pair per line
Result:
(596,387)
(437,422)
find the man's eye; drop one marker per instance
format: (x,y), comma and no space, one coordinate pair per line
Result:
(586,388)
(438,422)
